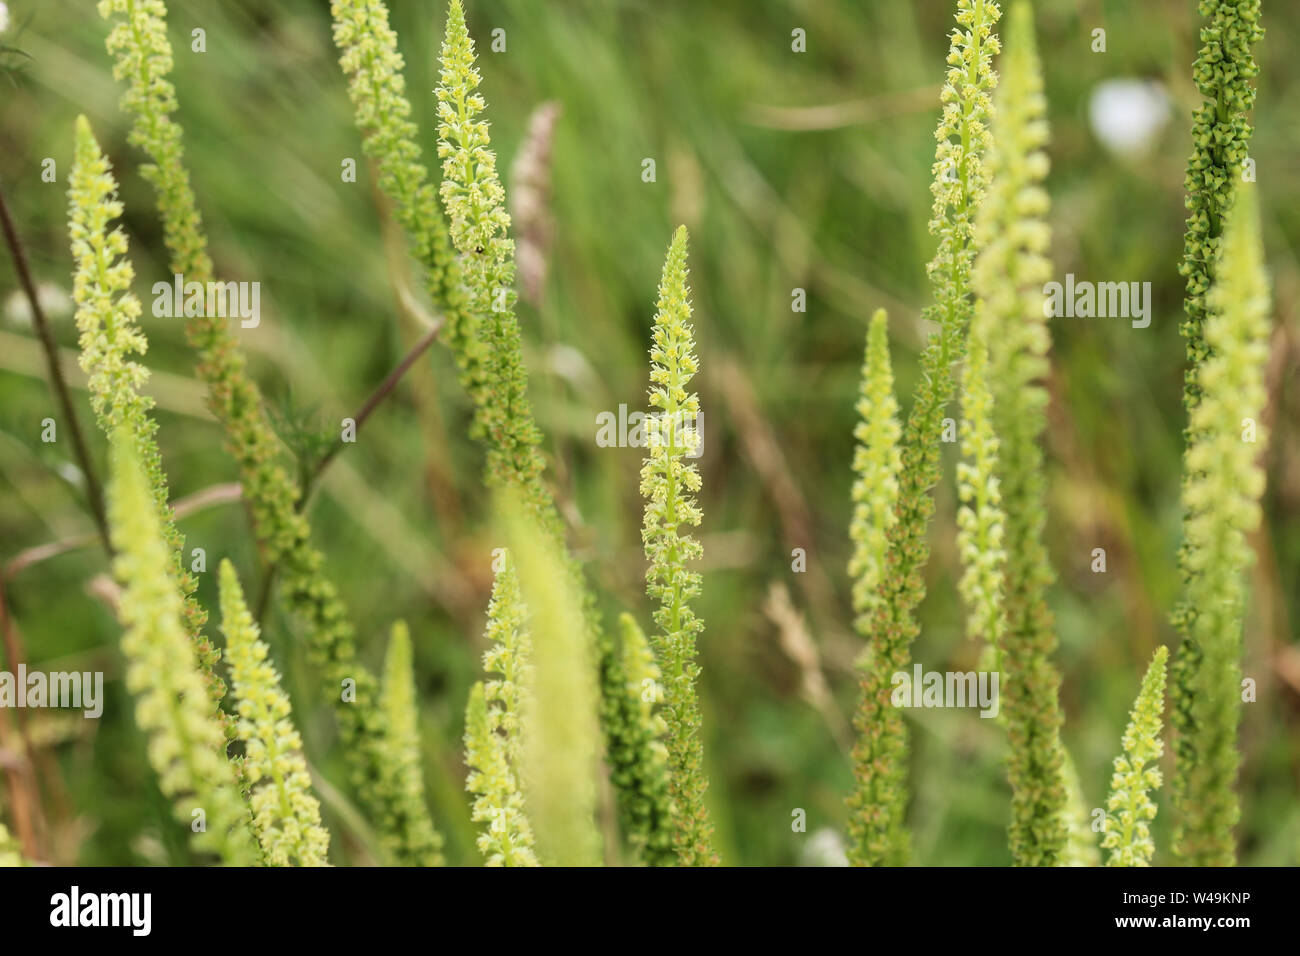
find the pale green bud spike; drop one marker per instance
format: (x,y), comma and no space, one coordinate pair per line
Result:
(1008,276)
(286,816)
(1130,808)
(172,706)
(1221,493)
(560,733)
(419,844)
(876,464)
(669,481)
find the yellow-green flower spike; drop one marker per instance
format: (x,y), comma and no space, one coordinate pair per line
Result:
(110,335)
(507,840)
(418,844)
(1221,492)
(1009,275)
(493,722)
(172,707)
(1130,807)
(478,223)
(143,58)
(286,815)
(878,803)
(980,522)
(369,58)
(669,481)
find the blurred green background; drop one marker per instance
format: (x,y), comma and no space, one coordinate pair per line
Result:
(792,170)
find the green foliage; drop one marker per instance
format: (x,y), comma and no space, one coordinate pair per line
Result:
(172,705)
(637,757)
(493,751)
(876,463)
(668,483)
(1221,496)
(1131,810)
(286,816)
(377,88)
(1009,276)
(107,320)
(143,59)
(878,803)
(1221,132)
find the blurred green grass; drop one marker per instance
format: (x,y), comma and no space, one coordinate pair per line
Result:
(714,94)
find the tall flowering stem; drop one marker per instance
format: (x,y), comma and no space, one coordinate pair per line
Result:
(1221,494)
(143,58)
(369,58)
(1224,70)
(286,816)
(110,337)
(1131,809)
(1009,276)
(493,749)
(669,481)
(878,803)
(172,706)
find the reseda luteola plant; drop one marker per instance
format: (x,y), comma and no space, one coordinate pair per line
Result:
(1009,320)
(669,482)
(492,747)
(471,282)
(144,59)
(107,320)
(185,742)
(1221,501)
(1221,131)
(878,803)
(553,675)
(1130,809)
(286,816)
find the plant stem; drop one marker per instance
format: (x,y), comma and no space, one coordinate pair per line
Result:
(58,384)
